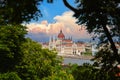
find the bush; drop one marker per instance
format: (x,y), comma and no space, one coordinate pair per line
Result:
(9,76)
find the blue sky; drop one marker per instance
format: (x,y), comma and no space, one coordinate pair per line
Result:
(56,16)
(50,10)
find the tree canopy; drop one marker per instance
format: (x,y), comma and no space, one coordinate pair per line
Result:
(101,17)
(11,39)
(19,11)
(36,63)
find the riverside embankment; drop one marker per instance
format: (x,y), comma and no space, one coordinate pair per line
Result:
(75,59)
(84,57)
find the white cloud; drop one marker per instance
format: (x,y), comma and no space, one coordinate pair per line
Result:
(65,22)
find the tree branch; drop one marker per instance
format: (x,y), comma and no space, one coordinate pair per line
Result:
(69,6)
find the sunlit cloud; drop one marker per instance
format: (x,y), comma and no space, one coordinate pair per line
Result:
(64,22)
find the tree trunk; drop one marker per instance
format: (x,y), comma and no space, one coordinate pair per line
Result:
(113,47)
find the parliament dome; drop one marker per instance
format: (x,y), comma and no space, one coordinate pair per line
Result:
(61,35)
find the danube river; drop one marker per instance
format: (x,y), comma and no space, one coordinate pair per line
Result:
(76,61)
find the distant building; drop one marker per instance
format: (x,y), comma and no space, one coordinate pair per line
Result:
(66,45)
(95,48)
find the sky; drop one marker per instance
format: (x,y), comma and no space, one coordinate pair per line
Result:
(56,17)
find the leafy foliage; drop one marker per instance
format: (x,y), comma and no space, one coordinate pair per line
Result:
(96,15)
(89,72)
(60,75)
(9,76)
(37,63)
(18,11)
(102,18)
(106,59)
(23,56)
(11,38)
(88,53)
(107,62)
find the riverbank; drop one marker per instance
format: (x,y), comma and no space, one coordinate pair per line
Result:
(84,57)
(67,61)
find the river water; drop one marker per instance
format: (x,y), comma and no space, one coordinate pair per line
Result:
(76,61)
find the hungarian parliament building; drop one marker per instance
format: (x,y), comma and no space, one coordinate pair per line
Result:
(66,45)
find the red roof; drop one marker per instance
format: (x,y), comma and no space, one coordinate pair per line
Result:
(61,35)
(68,45)
(80,44)
(67,40)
